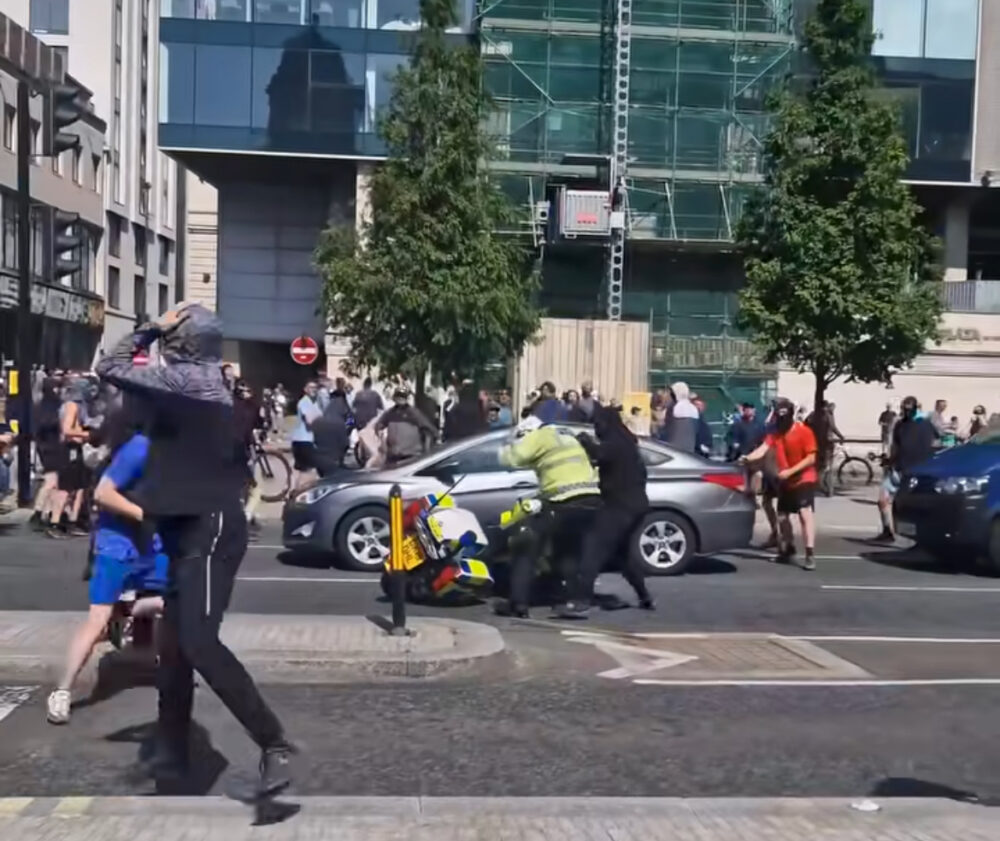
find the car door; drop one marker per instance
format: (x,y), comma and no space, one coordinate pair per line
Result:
(481,483)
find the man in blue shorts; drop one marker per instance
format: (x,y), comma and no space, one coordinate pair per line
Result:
(123,560)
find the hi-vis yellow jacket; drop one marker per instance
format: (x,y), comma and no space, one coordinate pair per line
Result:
(560,462)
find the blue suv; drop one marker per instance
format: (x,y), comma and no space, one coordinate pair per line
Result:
(950,505)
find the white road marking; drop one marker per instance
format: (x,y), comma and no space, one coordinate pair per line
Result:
(893,588)
(632,660)
(268,546)
(11,697)
(855,684)
(942,640)
(760,554)
(304,580)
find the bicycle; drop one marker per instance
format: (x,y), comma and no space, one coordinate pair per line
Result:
(271,471)
(853,471)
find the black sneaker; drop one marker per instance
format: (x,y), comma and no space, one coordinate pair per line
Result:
(77,530)
(611,602)
(35,522)
(785,556)
(647,603)
(886,537)
(809,562)
(56,532)
(275,769)
(770,543)
(502,607)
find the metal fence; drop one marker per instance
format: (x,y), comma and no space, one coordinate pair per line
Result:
(972,296)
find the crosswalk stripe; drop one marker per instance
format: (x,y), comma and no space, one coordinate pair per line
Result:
(11,697)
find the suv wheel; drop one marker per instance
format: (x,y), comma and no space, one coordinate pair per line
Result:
(663,543)
(362,541)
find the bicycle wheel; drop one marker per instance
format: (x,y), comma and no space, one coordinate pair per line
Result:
(274,476)
(855,472)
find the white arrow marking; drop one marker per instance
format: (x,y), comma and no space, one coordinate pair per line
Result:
(634,661)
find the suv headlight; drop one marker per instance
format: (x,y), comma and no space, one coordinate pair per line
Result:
(310,496)
(965,485)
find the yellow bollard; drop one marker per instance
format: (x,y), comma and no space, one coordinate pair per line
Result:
(397,569)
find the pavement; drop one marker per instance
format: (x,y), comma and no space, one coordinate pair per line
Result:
(276,649)
(538,819)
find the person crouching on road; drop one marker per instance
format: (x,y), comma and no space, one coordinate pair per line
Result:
(794,445)
(622,475)
(126,556)
(570,496)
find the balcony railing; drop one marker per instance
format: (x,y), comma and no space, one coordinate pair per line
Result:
(972,296)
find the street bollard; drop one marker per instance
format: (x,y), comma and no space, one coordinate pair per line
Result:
(397,569)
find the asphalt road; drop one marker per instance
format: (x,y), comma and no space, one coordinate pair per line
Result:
(542,722)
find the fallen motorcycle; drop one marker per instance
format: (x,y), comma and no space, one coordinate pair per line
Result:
(440,544)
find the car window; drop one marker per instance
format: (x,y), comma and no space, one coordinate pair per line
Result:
(480,458)
(652,457)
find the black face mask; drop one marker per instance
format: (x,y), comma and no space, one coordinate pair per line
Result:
(784,421)
(909,412)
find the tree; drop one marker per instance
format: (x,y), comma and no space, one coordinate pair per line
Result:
(430,282)
(842,275)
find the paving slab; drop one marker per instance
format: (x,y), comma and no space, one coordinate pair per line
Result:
(275,648)
(454,819)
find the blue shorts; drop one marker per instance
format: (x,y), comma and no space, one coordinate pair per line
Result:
(890,484)
(112,576)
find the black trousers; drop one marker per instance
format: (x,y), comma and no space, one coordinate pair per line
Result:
(607,536)
(205,554)
(563,524)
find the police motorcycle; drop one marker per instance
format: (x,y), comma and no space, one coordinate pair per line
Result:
(441,543)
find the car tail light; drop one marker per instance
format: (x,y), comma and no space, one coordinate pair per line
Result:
(733,481)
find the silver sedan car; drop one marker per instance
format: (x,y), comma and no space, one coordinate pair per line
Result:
(696,506)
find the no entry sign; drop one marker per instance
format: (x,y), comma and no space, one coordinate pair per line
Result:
(304,350)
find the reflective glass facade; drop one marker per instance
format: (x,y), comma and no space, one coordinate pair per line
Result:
(246,87)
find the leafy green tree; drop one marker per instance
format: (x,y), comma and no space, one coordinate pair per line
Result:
(430,282)
(842,275)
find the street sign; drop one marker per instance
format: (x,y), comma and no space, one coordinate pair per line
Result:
(304,350)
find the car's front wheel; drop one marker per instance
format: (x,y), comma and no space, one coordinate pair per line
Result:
(362,541)
(663,543)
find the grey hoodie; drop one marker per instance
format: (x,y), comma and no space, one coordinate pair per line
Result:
(189,415)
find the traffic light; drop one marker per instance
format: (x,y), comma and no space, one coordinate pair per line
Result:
(67,237)
(63,107)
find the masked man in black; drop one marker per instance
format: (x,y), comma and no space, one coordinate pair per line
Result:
(190,494)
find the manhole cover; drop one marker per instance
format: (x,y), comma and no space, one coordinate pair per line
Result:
(714,657)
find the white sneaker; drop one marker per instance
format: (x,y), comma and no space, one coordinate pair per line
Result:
(58,707)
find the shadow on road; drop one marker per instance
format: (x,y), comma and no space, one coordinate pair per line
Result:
(205,764)
(914,559)
(910,787)
(305,560)
(711,565)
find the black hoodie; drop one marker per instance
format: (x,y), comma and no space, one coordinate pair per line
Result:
(191,467)
(621,471)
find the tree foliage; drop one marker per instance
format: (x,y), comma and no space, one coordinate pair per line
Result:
(431,282)
(842,277)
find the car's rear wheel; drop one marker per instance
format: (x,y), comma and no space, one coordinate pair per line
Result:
(663,543)
(362,541)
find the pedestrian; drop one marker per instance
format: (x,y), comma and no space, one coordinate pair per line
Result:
(657,413)
(330,433)
(573,411)
(74,476)
(570,495)
(493,417)
(622,481)
(505,415)
(680,426)
(303,444)
(747,431)
(886,421)
(704,440)
(189,492)
(407,430)
(637,423)
(938,420)
(588,402)
(51,453)
(323,391)
(368,404)
(228,377)
(978,422)
(466,417)
(794,446)
(118,564)
(547,406)
(913,442)
(6,458)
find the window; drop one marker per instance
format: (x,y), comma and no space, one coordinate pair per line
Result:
(9,231)
(9,127)
(165,245)
(652,457)
(96,169)
(114,235)
(36,141)
(926,28)
(139,235)
(49,17)
(77,165)
(57,164)
(222,85)
(481,458)
(114,292)
(139,297)
(163,298)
